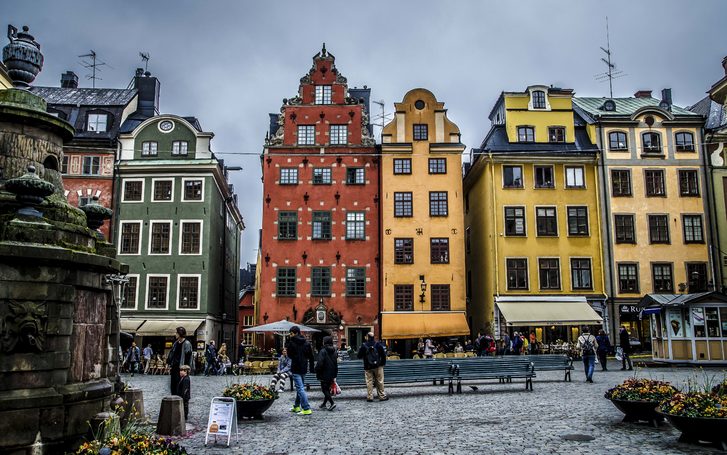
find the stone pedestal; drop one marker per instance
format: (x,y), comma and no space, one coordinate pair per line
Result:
(133,405)
(171,417)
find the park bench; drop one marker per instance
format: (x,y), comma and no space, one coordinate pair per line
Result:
(553,362)
(504,369)
(351,373)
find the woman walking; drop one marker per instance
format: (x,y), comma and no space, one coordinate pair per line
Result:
(604,347)
(327,370)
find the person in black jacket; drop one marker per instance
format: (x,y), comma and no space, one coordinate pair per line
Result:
(625,342)
(327,370)
(184,388)
(181,354)
(374,358)
(301,356)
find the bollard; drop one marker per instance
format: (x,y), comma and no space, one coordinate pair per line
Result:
(171,417)
(102,425)
(133,405)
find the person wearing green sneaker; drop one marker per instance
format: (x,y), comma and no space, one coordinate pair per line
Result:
(301,356)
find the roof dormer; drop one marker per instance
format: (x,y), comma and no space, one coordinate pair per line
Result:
(538,98)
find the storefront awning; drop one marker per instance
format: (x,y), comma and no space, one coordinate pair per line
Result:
(520,311)
(131,324)
(167,327)
(413,324)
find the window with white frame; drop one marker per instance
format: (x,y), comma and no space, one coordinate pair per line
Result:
(129,238)
(191,238)
(91,165)
(179,147)
(193,190)
(131,290)
(323,94)
(160,237)
(157,287)
(149,148)
(355,226)
(574,177)
(133,190)
(97,122)
(188,292)
(163,190)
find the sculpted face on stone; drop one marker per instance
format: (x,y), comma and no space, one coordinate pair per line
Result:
(24,327)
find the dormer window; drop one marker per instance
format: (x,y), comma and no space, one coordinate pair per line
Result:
(556,134)
(323,94)
(538,99)
(525,134)
(149,148)
(97,123)
(179,147)
(651,142)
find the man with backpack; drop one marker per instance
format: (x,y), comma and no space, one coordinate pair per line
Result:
(374,357)
(588,345)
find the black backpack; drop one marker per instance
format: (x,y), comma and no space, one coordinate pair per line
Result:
(372,355)
(587,345)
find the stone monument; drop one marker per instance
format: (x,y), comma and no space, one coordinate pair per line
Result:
(58,318)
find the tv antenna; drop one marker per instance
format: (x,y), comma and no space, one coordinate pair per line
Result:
(145,58)
(93,65)
(381,119)
(612,73)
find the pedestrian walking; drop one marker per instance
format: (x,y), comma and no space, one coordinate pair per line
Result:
(588,345)
(184,388)
(625,343)
(210,358)
(374,358)
(283,373)
(506,344)
(181,354)
(604,347)
(327,370)
(148,354)
(429,349)
(533,343)
(420,347)
(133,357)
(301,356)
(517,344)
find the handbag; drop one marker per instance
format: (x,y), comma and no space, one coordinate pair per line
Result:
(335,389)
(619,353)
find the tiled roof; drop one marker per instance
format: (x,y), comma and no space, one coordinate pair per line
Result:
(497,142)
(624,106)
(712,111)
(679,299)
(85,96)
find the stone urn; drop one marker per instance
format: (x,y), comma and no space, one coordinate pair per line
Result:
(252,409)
(635,411)
(695,430)
(30,190)
(22,57)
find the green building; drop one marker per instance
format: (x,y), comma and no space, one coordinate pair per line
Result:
(178,228)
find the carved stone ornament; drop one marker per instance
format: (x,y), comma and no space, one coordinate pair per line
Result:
(340,79)
(366,137)
(24,327)
(296,100)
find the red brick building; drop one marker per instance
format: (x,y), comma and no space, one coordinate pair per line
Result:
(320,233)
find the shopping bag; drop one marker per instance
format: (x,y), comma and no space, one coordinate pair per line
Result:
(619,353)
(335,389)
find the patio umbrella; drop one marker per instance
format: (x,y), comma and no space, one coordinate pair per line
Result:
(281,327)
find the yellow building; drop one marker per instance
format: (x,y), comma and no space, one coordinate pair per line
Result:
(422,254)
(654,182)
(5,81)
(532,220)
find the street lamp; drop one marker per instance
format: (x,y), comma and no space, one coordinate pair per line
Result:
(118,282)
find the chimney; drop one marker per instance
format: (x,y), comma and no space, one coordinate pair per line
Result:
(643,94)
(69,80)
(724,65)
(666,96)
(148,88)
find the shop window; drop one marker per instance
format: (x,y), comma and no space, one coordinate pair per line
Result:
(713,330)
(698,322)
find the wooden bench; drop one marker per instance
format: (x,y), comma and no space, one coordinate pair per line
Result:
(553,362)
(351,373)
(504,369)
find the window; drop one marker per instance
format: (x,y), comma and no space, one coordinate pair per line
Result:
(688,183)
(248,320)
(654,179)
(549,269)
(404,251)
(149,148)
(84,200)
(191,237)
(556,134)
(617,141)
(684,142)
(188,292)
(179,147)
(628,278)
(544,177)
(157,292)
(577,220)
(402,166)
(662,277)
(339,134)
(356,282)
(355,226)
(437,165)
(658,228)
(697,276)
(163,190)
(438,203)
(580,273)
(64,165)
(512,176)
(285,282)
(323,94)
(130,291)
(574,177)
(91,165)
(440,297)
(517,274)
(402,204)
(97,122)
(693,229)
(651,142)
(403,297)
(439,249)
(322,176)
(355,176)
(129,241)
(625,232)
(287,225)
(538,99)
(421,132)
(160,238)
(288,176)
(546,221)
(193,190)
(621,182)
(514,221)
(133,190)
(525,134)
(321,281)
(321,225)
(306,134)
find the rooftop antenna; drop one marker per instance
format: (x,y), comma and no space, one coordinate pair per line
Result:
(145,58)
(381,119)
(93,65)
(612,73)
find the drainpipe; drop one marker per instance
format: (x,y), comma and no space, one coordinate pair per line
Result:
(609,235)
(600,239)
(495,238)
(713,246)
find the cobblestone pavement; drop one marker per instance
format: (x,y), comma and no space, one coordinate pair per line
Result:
(496,418)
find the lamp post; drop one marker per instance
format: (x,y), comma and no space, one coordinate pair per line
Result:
(118,282)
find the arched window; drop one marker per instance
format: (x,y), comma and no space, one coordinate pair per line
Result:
(684,142)
(538,99)
(51,162)
(651,142)
(617,141)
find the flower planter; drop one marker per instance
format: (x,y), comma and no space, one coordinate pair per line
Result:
(635,411)
(700,429)
(253,409)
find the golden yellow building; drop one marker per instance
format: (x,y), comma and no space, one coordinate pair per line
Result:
(422,221)
(532,220)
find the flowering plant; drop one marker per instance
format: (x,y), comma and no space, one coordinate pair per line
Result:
(635,389)
(721,388)
(696,404)
(249,392)
(131,444)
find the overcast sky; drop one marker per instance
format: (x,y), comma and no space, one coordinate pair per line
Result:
(230,63)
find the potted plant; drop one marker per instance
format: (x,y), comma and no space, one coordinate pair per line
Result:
(638,398)
(131,443)
(701,415)
(252,399)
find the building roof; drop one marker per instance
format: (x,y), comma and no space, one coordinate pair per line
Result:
(680,299)
(712,111)
(497,142)
(624,106)
(86,96)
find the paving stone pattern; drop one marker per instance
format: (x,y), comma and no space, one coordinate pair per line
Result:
(495,418)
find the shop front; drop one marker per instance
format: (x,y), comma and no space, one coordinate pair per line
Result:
(402,329)
(687,328)
(636,324)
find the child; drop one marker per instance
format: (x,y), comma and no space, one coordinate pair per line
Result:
(284,365)
(184,388)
